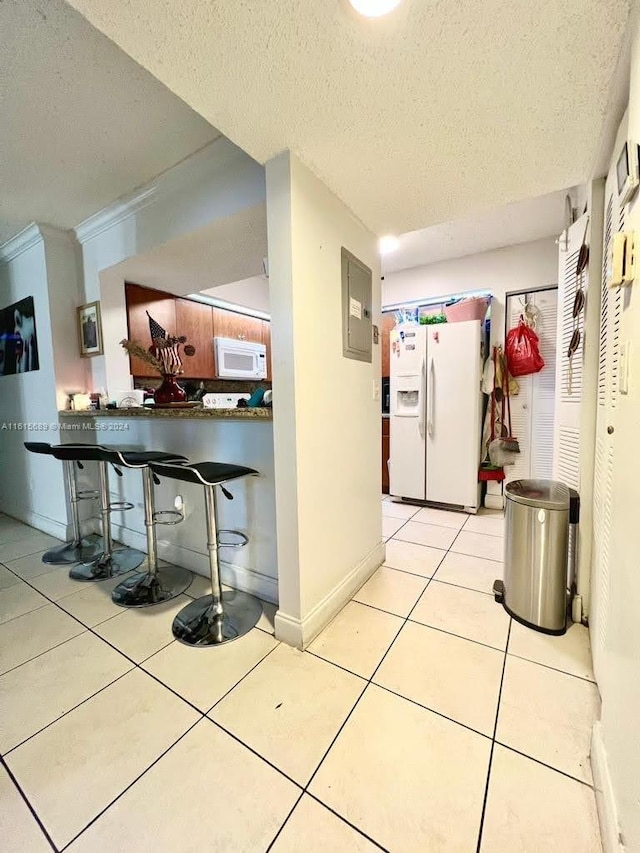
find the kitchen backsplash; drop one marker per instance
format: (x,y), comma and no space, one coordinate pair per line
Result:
(211,386)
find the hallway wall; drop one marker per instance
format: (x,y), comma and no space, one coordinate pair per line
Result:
(621,690)
(524,266)
(39,262)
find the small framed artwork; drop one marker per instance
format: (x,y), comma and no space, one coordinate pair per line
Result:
(627,172)
(89,330)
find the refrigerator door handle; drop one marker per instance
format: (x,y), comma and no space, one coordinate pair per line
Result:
(421,418)
(431,399)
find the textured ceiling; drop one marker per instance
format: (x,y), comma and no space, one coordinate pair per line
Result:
(442,109)
(81,123)
(522,222)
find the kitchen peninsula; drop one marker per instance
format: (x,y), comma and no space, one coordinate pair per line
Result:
(243,436)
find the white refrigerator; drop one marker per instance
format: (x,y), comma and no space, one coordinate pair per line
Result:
(436,413)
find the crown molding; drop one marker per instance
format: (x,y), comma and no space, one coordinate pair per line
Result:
(22,242)
(113,215)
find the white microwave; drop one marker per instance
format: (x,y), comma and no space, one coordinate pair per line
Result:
(237,359)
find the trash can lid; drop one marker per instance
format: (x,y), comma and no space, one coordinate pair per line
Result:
(545,494)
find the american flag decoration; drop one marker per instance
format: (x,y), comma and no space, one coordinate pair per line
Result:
(157,332)
(164,353)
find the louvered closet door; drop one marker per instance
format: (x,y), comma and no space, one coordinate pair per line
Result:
(533,408)
(566,461)
(608,367)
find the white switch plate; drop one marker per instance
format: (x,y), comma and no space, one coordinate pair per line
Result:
(376,390)
(625,353)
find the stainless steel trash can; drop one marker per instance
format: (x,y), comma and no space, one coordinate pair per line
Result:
(534,589)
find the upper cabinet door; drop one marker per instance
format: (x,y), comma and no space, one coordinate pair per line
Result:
(161,306)
(195,321)
(227,324)
(388,323)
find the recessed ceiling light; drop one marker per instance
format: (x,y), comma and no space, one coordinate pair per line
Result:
(374,8)
(388,244)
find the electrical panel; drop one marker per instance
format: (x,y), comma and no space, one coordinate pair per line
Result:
(356,308)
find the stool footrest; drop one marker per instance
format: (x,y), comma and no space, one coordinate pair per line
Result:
(121,506)
(243,539)
(175,516)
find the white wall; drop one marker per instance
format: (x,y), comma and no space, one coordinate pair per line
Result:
(218,182)
(326,423)
(40,262)
(621,691)
(521,267)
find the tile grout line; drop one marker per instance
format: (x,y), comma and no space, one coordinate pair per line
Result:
(370,681)
(25,799)
(137,665)
(255,666)
(547,766)
(65,713)
(284,822)
(493,743)
(132,783)
(400,696)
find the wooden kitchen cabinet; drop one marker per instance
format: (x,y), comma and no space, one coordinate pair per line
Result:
(227,324)
(266,340)
(162,308)
(195,321)
(386,449)
(388,323)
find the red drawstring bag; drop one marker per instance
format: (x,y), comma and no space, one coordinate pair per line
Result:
(523,353)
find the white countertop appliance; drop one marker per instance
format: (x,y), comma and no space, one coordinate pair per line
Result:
(223,401)
(436,412)
(236,359)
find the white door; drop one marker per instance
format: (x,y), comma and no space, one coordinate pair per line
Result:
(608,366)
(569,375)
(407,345)
(533,408)
(453,413)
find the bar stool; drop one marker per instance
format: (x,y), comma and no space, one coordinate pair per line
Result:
(109,562)
(156,584)
(222,616)
(78,549)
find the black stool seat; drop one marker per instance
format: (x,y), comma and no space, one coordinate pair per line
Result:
(39,447)
(79,452)
(203,473)
(142,458)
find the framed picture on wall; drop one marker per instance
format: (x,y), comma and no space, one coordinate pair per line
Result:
(18,339)
(89,330)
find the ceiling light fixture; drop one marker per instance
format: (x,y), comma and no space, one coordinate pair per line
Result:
(388,244)
(374,8)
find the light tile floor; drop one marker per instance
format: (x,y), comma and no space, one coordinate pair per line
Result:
(421,719)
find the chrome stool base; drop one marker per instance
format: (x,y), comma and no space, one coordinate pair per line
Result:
(107,566)
(145,588)
(80,551)
(196,624)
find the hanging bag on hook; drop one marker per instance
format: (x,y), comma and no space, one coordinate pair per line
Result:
(523,352)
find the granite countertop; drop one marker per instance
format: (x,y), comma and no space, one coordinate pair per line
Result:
(253,413)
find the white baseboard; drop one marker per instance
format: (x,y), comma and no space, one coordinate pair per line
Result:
(239,577)
(607,812)
(300,632)
(55,528)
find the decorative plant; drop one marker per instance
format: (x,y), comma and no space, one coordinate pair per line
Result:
(164,353)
